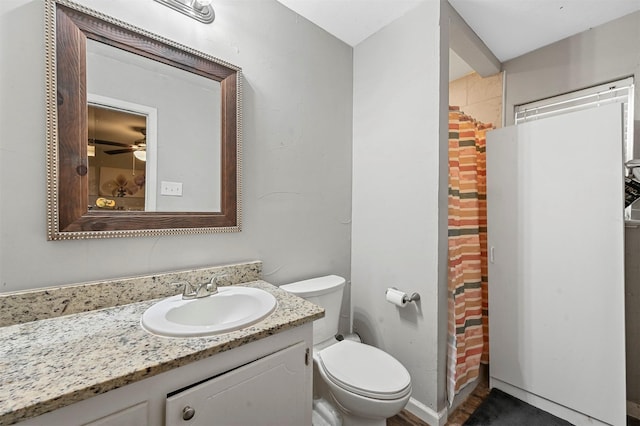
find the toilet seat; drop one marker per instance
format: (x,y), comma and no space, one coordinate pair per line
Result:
(365,370)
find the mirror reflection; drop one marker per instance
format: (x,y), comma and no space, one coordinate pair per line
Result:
(117,154)
(188,127)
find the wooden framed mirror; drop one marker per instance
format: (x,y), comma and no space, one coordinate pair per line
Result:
(73,211)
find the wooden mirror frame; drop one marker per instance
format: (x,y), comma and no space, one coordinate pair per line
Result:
(67,26)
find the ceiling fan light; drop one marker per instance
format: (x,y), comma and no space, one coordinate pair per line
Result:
(140,155)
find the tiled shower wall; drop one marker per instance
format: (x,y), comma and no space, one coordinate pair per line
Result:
(481,98)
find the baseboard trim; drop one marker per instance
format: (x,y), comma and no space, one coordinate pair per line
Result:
(426,414)
(633,409)
(572,416)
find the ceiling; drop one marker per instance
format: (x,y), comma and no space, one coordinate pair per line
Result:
(351,21)
(509,28)
(512,28)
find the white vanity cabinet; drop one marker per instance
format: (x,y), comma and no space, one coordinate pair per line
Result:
(267,381)
(135,415)
(263,392)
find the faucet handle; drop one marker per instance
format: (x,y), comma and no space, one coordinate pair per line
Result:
(212,287)
(216,277)
(189,291)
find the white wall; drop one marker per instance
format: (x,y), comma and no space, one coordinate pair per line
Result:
(297,149)
(399,176)
(608,52)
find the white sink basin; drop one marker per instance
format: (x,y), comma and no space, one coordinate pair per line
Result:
(232,308)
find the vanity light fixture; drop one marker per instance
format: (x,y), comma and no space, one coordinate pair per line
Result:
(200,10)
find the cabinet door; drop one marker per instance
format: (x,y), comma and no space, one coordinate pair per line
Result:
(274,390)
(132,416)
(556,284)
(85,413)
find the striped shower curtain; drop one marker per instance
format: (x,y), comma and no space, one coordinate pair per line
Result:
(468,343)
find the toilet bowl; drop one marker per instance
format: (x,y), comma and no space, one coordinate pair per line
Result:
(364,381)
(365,384)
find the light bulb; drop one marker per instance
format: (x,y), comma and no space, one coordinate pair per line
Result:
(140,155)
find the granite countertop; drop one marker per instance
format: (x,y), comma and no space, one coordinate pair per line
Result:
(50,363)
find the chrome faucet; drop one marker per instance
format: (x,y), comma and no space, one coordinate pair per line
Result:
(191,291)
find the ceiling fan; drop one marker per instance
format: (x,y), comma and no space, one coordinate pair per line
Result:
(138,148)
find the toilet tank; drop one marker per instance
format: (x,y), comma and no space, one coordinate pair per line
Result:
(327,293)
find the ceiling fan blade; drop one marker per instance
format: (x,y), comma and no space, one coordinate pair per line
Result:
(119,151)
(101,142)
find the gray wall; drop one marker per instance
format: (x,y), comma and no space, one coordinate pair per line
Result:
(602,54)
(399,176)
(297,149)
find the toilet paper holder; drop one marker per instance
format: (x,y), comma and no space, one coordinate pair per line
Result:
(406,298)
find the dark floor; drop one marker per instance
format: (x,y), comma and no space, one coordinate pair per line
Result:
(456,418)
(462,413)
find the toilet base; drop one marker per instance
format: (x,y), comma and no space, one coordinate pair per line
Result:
(330,413)
(349,419)
(360,421)
(325,414)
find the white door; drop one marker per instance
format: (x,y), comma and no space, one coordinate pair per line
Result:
(556,264)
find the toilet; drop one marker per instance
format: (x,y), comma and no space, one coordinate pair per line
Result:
(354,384)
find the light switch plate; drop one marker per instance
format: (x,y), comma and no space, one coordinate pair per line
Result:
(171,188)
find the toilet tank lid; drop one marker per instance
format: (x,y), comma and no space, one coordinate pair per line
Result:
(315,286)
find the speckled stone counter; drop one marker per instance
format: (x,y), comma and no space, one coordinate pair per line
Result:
(49,302)
(54,362)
